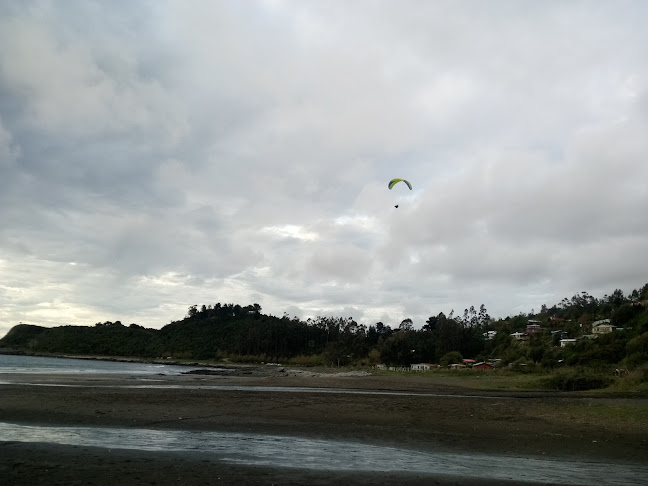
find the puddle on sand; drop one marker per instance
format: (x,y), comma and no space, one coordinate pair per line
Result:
(296,452)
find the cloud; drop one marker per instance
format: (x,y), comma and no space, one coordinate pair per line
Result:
(159,155)
(67,91)
(9,153)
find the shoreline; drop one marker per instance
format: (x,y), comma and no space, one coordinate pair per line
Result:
(115,359)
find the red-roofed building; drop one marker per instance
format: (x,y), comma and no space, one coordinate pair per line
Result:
(484,365)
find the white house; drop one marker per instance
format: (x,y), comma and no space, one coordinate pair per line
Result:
(566,341)
(489,335)
(422,366)
(602,327)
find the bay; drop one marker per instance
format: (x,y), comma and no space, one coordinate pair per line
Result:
(45,365)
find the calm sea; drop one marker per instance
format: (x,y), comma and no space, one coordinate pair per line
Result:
(37,364)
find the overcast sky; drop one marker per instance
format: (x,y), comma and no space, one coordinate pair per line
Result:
(155,155)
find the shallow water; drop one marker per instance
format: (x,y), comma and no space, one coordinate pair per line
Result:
(40,364)
(295,452)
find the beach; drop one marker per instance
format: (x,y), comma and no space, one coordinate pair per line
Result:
(417,413)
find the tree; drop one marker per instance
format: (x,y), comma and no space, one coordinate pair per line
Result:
(624,314)
(474,321)
(430,324)
(483,319)
(472,341)
(637,349)
(617,298)
(537,348)
(406,325)
(375,333)
(448,335)
(643,293)
(399,349)
(451,358)
(335,354)
(502,341)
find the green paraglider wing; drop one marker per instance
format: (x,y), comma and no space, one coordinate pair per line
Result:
(393,182)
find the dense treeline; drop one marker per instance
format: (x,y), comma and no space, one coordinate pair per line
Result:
(213,332)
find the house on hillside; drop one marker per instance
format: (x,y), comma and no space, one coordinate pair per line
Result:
(533,328)
(603,326)
(566,341)
(422,366)
(489,335)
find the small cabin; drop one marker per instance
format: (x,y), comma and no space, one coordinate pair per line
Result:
(566,341)
(422,366)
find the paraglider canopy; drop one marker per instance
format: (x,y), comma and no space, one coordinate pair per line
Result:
(393,182)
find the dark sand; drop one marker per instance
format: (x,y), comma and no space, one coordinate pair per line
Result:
(522,424)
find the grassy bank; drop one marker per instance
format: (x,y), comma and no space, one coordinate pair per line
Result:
(565,379)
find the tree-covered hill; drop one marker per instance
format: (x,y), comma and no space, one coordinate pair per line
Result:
(212,332)
(104,339)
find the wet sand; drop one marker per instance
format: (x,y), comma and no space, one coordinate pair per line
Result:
(441,416)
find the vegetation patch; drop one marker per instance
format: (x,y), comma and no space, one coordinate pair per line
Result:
(574,380)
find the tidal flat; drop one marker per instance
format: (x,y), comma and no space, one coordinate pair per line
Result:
(297,428)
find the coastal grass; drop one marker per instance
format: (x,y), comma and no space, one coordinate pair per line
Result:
(494,380)
(565,379)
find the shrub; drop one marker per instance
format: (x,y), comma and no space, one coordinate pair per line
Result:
(451,358)
(634,380)
(522,367)
(579,380)
(310,360)
(638,375)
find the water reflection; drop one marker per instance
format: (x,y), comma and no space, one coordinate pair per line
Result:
(295,452)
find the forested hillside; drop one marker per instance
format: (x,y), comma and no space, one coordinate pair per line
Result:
(244,333)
